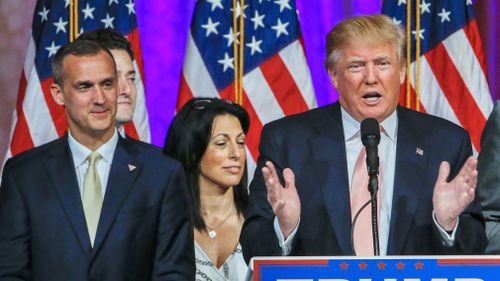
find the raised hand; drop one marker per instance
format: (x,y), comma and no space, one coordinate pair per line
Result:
(284,201)
(451,198)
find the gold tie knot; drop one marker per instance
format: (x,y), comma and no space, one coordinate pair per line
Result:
(93,157)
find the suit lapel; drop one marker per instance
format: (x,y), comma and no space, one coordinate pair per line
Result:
(411,161)
(328,150)
(60,168)
(122,175)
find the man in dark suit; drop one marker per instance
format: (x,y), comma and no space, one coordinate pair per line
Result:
(92,205)
(488,182)
(314,154)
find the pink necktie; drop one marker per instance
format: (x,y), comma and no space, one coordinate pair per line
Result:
(363,239)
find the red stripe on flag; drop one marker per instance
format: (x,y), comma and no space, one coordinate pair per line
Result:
(21,138)
(283,85)
(456,92)
(185,93)
(133,37)
(255,129)
(56,110)
(472,32)
(413,98)
(131,130)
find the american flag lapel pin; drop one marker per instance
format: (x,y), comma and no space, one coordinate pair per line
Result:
(419,151)
(131,167)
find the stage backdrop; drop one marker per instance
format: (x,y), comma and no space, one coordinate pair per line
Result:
(163,26)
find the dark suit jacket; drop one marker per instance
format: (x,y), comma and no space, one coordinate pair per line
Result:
(312,145)
(488,188)
(144,231)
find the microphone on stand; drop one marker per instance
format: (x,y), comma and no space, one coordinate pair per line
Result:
(370,136)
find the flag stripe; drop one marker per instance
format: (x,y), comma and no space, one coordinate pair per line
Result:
(21,137)
(282,85)
(474,37)
(56,111)
(470,70)
(456,92)
(295,61)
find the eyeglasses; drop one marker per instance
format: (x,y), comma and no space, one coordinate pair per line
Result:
(203,103)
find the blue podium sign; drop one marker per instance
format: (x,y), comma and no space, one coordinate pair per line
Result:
(391,268)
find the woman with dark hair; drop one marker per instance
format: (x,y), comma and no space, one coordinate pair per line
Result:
(208,137)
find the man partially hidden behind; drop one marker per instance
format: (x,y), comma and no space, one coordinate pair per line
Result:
(93,205)
(123,54)
(427,174)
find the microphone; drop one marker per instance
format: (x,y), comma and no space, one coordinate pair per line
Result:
(370,136)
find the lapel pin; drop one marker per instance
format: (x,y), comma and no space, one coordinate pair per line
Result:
(419,151)
(131,167)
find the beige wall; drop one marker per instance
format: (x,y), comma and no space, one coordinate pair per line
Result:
(15,22)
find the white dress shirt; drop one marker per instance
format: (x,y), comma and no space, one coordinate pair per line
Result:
(387,156)
(80,154)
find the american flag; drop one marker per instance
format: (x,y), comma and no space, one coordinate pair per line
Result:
(452,79)
(38,119)
(276,79)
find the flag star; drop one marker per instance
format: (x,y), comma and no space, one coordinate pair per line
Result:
(419,33)
(108,21)
(216,4)
(254,45)
(210,27)
(469,2)
(52,49)
(44,14)
(424,7)
(283,4)
(81,31)
(445,15)
(238,10)
(226,62)
(400,2)
(231,37)
(396,21)
(280,28)
(88,12)
(66,3)
(257,20)
(130,7)
(111,2)
(61,25)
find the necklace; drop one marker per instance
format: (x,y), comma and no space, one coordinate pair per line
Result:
(212,233)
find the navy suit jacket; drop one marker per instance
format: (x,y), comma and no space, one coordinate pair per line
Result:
(144,232)
(312,145)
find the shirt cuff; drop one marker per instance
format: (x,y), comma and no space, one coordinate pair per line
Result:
(447,238)
(285,245)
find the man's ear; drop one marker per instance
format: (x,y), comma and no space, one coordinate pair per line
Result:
(333,77)
(57,93)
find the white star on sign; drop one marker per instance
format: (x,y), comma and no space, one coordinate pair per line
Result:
(44,14)
(52,49)
(254,45)
(283,4)
(424,7)
(227,62)
(210,27)
(216,4)
(231,37)
(280,28)
(420,33)
(108,21)
(61,25)
(130,7)
(445,15)
(257,20)
(88,12)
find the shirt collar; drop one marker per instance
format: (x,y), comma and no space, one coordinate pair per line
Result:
(81,152)
(352,127)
